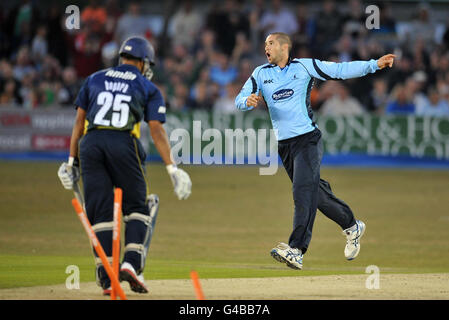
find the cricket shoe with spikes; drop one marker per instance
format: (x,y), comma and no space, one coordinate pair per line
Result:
(136,282)
(107,291)
(102,282)
(353,235)
(292,257)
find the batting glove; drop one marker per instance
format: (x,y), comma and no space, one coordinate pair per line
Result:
(69,173)
(181,182)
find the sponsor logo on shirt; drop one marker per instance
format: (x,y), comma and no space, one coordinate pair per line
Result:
(268,81)
(122,75)
(282,94)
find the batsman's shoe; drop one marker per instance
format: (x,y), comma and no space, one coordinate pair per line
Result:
(292,257)
(107,291)
(136,282)
(353,236)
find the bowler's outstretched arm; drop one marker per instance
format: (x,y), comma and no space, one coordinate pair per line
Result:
(325,70)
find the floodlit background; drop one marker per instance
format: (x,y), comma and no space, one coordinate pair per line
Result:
(207,49)
(386,139)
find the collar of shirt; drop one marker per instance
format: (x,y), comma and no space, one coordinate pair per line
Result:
(129,67)
(279,68)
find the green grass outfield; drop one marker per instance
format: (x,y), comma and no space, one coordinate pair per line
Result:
(229,224)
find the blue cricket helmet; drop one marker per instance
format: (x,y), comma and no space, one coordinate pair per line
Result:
(139,48)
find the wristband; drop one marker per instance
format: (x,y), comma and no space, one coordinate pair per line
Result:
(171,168)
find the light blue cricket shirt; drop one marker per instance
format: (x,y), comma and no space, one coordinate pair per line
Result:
(287,91)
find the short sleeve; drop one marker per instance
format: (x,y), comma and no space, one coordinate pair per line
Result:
(82,99)
(155,109)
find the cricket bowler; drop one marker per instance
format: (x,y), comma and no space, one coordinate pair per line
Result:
(285,85)
(110,106)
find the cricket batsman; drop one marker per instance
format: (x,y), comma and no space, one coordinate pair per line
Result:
(110,106)
(285,84)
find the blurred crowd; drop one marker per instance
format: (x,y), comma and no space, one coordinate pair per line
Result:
(206,50)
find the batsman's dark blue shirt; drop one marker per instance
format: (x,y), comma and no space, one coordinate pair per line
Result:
(119,98)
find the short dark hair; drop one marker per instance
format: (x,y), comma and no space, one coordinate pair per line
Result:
(283,38)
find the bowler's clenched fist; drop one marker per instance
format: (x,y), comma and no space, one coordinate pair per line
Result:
(252,100)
